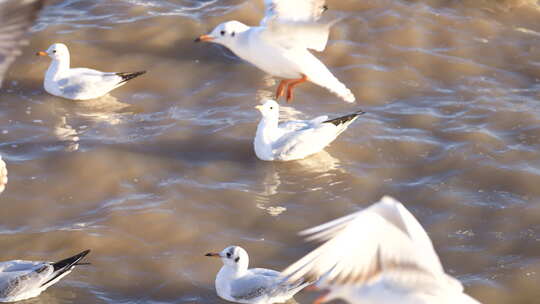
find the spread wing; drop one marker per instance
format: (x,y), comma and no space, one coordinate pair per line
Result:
(16,16)
(293,23)
(361,245)
(293,10)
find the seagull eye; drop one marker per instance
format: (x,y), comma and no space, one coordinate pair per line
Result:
(271,108)
(237,259)
(228,254)
(54,51)
(222,33)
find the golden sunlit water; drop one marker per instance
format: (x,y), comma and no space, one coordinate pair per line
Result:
(163,170)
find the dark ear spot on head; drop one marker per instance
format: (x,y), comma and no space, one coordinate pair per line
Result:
(237,259)
(233,33)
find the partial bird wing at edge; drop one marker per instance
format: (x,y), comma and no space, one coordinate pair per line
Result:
(16,16)
(360,246)
(293,10)
(292,24)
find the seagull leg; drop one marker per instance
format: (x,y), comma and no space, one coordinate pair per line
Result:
(293,84)
(281,88)
(320,300)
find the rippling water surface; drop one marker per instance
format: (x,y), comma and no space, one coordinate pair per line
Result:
(163,171)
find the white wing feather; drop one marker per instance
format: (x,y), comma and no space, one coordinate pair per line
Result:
(293,24)
(360,245)
(16,16)
(293,10)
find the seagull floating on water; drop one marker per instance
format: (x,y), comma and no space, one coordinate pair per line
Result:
(79,83)
(236,283)
(16,16)
(279,45)
(3,175)
(295,139)
(379,255)
(20,280)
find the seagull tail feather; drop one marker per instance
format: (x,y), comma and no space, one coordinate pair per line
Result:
(346,119)
(126,76)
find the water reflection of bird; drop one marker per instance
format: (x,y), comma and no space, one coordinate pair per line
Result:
(280,45)
(378,255)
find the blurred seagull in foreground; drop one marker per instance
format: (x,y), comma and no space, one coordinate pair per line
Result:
(236,283)
(3,175)
(295,139)
(279,45)
(16,16)
(20,280)
(79,83)
(379,255)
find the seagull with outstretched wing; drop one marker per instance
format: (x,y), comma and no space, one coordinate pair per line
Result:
(281,45)
(379,255)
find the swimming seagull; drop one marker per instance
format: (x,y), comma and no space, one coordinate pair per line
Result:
(378,255)
(295,139)
(279,45)
(79,83)
(236,283)
(16,16)
(20,280)
(3,175)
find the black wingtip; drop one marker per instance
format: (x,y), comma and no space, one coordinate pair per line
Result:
(71,261)
(344,119)
(64,265)
(126,76)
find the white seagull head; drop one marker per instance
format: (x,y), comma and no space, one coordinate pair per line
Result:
(269,109)
(225,33)
(233,256)
(56,51)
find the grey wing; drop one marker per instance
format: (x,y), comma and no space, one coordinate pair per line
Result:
(298,125)
(306,140)
(22,276)
(318,120)
(293,10)
(16,16)
(253,286)
(294,125)
(82,79)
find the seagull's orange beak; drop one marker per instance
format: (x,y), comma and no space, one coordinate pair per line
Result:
(41,53)
(204,38)
(213,255)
